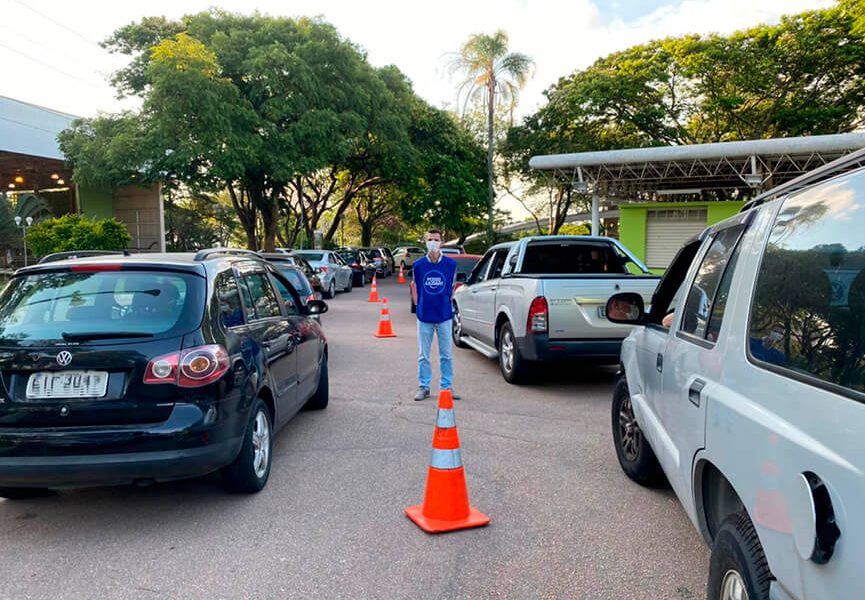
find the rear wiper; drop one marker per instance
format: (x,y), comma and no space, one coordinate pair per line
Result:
(102,335)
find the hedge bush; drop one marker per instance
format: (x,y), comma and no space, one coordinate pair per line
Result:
(75,232)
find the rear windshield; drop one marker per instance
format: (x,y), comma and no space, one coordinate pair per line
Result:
(67,306)
(561,258)
(375,253)
(313,256)
(465,265)
(297,280)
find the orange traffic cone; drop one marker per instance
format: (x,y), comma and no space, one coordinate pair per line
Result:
(373,291)
(446,501)
(384,327)
(401,278)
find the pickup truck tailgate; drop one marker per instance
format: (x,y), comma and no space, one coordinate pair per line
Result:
(577,304)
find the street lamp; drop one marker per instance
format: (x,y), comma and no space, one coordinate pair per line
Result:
(26,223)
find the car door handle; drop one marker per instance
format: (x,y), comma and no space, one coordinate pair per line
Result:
(659,363)
(695,392)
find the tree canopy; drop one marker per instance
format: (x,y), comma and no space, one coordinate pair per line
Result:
(285,115)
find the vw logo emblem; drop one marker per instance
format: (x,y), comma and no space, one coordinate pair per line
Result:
(64,359)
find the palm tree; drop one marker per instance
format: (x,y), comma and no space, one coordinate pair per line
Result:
(494,77)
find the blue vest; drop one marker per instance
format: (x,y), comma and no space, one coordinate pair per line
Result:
(434,283)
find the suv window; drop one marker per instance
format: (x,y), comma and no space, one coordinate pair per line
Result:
(809,301)
(479,272)
(572,257)
(701,296)
(228,297)
(259,296)
(498,263)
(56,306)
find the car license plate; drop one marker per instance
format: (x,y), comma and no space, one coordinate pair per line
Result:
(67,384)
(602,312)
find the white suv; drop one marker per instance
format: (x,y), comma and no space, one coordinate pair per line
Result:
(406,255)
(745,386)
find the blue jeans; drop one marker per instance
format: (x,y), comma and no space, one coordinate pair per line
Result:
(425,333)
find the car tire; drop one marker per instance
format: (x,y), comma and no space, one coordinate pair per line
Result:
(350,285)
(362,280)
(635,455)
(515,369)
(14,493)
(331,290)
(318,401)
(738,562)
(456,329)
(249,472)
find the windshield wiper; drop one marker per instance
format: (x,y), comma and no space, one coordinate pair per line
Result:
(79,336)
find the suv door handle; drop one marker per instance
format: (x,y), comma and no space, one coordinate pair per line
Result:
(696,391)
(659,363)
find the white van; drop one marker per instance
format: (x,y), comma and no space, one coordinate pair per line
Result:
(745,386)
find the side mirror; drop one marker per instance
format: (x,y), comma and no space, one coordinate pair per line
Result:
(316,307)
(626,308)
(462,277)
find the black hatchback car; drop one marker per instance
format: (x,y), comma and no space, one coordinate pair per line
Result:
(117,370)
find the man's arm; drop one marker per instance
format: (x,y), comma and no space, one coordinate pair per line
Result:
(413,292)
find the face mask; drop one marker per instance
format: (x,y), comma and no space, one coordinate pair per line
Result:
(433,245)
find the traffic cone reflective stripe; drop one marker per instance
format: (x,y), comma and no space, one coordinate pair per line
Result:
(385,329)
(373,291)
(446,501)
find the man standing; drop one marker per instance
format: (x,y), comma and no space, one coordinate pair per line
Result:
(431,288)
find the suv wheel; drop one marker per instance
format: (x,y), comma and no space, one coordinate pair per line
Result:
(362,279)
(319,399)
(249,472)
(331,290)
(350,285)
(636,456)
(457,329)
(513,366)
(12,493)
(738,569)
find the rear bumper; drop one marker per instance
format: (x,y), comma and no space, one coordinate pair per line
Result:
(183,446)
(541,347)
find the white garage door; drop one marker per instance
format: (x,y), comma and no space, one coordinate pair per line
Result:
(667,230)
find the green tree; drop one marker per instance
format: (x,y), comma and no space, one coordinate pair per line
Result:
(75,232)
(493,76)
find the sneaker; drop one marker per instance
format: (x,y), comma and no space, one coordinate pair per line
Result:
(422,394)
(455,396)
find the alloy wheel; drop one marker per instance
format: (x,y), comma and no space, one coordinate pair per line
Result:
(629,431)
(260,444)
(507,351)
(733,586)
(458,325)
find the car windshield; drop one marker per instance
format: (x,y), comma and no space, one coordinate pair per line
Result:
(312,256)
(349,255)
(574,257)
(465,265)
(374,253)
(68,306)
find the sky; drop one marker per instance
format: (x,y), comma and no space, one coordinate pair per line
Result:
(50,55)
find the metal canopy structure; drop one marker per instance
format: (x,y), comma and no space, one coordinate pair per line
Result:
(740,169)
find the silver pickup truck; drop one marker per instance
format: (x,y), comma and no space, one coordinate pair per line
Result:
(544,298)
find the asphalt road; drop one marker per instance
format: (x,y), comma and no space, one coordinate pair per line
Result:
(566,523)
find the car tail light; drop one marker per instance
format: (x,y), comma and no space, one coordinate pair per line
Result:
(355,265)
(311,297)
(458,285)
(193,367)
(93,268)
(323,269)
(538,321)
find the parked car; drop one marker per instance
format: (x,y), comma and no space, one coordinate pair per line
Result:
(543,298)
(747,390)
(453,249)
(362,267)
(465,264)
(152,367)
(289,266)
(406,255)
(334,273)
(383,259)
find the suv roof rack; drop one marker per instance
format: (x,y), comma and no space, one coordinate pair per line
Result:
(854,160)
(73,254)
(209,252)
